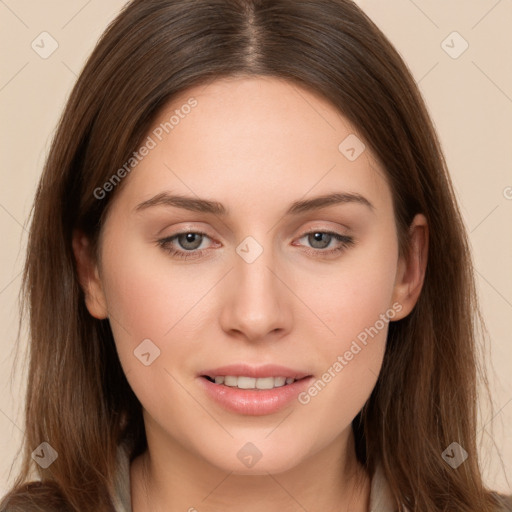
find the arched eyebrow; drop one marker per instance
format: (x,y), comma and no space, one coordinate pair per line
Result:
(316,203)
(196,204)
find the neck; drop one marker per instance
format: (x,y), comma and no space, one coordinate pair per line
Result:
(169,478)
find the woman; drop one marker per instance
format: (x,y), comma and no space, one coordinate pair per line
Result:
(248,280)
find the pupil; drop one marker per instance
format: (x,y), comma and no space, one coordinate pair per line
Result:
(317,237)
(190,240)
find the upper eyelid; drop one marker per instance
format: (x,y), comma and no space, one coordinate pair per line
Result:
(174,236)
(196,225)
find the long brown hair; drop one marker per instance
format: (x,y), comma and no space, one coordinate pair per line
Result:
(78,399)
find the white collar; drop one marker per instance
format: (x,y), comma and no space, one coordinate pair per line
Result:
(381,499)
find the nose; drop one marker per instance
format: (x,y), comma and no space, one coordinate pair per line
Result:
(257,304)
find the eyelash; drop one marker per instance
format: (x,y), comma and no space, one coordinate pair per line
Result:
(345,242)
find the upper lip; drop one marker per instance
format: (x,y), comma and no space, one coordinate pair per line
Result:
(267,370)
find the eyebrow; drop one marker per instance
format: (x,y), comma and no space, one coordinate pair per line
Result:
(216,208)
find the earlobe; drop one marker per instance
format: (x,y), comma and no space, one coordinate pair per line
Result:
(412,267)
(88,276)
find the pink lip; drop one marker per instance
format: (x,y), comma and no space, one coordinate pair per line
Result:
(267,370)
(254,402)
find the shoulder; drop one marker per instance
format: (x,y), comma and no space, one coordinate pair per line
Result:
(381,499)
(35,496)
(505,502)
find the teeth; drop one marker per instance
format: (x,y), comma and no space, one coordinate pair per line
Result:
(230,381)
(243,382)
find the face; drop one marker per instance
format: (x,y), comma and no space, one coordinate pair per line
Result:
(255,235)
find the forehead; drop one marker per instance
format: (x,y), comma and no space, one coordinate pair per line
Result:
(254,141)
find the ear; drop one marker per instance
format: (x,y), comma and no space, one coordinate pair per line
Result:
(411,267)
(88,276)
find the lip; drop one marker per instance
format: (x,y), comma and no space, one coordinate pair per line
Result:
(253,402)
(267,370)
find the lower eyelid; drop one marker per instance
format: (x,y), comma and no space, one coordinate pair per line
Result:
(167,243)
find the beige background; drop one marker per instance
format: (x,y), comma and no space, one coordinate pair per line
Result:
(469,97)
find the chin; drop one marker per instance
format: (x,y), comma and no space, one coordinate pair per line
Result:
(245,457)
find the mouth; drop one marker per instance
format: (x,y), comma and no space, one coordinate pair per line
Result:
(254,391)
(253,383)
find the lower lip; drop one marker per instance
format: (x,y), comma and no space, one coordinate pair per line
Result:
(254,402)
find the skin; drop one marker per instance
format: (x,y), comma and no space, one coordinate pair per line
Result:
(255,145)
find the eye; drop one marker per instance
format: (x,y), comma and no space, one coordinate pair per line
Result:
(321,240)
(185,245)
(188,241)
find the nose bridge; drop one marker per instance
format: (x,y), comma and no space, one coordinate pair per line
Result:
(257,305)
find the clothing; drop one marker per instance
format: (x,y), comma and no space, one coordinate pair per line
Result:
(122,499)
(380,496)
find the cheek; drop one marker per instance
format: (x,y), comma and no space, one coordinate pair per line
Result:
(146,293)
(355,303)
(150,299)
(351,296)
(152,307)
